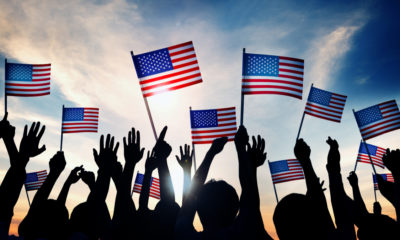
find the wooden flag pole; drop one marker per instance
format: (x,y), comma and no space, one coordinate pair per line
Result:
(5,92)
(147,105)
(302,118)
(194,151)
(273,184)
(29,201)
(62,132)
(366,146)
(241,90)
(355,166)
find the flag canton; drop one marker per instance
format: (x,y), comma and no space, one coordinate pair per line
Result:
(139,178)
(154,62)
(279,166)
(73,114)
(31,177)
(261,65)
(19,72)
(368,115)
(204,118)
(320,96)
(372,149)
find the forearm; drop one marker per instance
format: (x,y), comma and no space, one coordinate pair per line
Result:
(11,149)
(10,190)
(100,189)
(359,201)
(62,197)
(145,192)
(341,205)
(187,180)
(127,176)
(44,191)
(248,181)
(166,188)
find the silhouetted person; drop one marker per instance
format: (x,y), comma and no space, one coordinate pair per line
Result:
(392,161)
(217,202)
(185,161)
(307,216)
(14,179)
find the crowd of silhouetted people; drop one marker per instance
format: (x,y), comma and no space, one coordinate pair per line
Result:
(223,214)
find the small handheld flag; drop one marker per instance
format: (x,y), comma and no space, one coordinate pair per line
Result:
(378,119)
(35,180)
(267,74)
(376,154)
(167,69)
(77,120)
(387,177)
(210,124)
(27,80)
(285,171)
(154,185)
(325,105)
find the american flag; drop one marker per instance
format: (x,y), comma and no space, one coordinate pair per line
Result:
(27,80)
(210,124)
(167,69)
(387,177)
(325,105)
(154,185)
(267,74)
(35,180)
(286,170)
(378,119)
(375,152)
(77,120)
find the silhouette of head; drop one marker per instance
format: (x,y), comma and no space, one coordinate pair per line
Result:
(378,227)
(217,205)
(49,221)
(296,217)
(90,220)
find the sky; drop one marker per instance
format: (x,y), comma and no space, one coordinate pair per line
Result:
(349,47)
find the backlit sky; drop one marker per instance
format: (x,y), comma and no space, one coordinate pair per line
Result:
(349,47)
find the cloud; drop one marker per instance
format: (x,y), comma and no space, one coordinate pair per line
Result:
(326,54)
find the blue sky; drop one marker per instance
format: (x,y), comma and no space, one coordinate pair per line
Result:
(349,47)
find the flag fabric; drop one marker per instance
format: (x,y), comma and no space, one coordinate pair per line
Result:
(27,80)
(387,177)
(325,105)
(286,170)
(77,120)
(267,74)
(167,69)
(154,185)
(35,180)
(210,124)
(375,152)
(378,119)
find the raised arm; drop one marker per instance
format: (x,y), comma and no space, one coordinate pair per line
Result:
(105,159)
(184,225)
(73,177)
(150,166)
(392,161)
(250,158)
(342,205)
(162,150)
(314,188)
(11,186)
(185,161)
(57,164)
(7,133)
